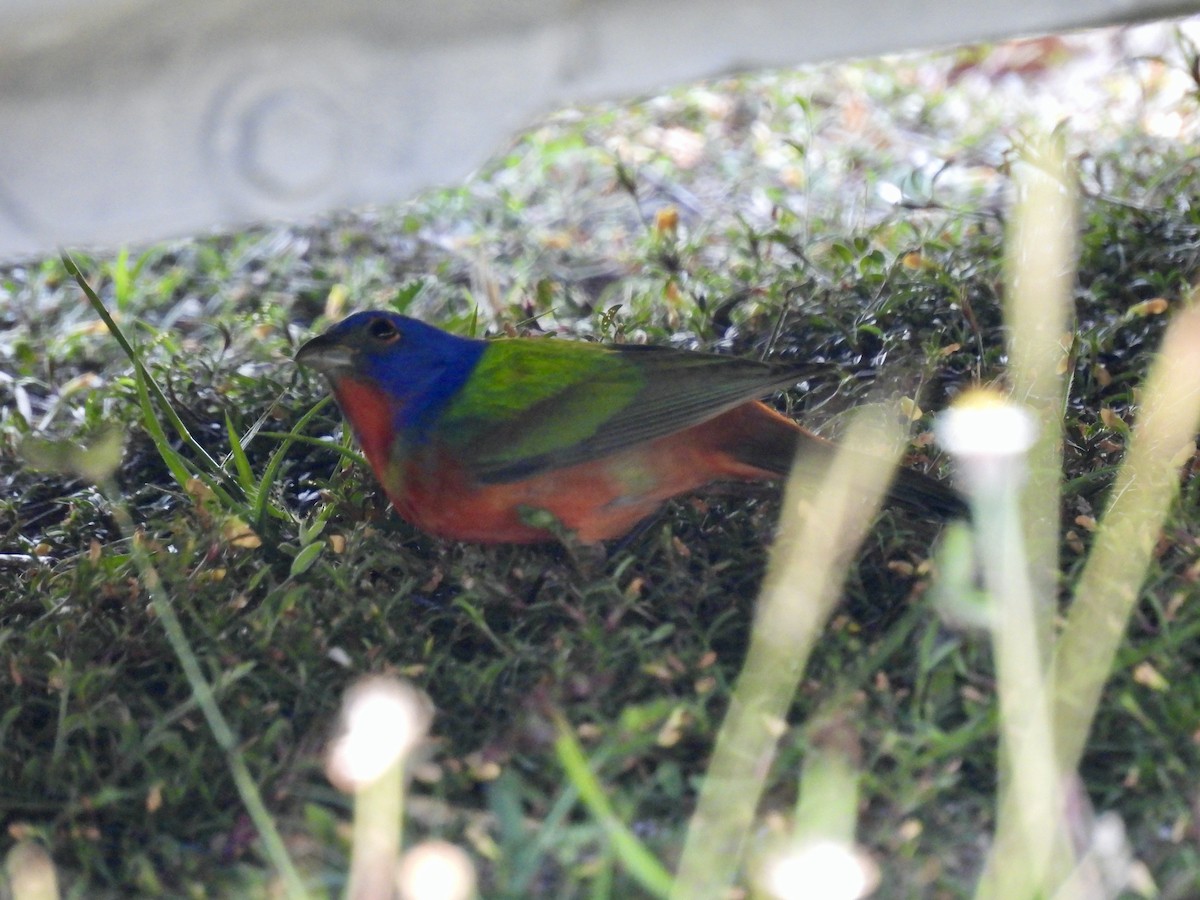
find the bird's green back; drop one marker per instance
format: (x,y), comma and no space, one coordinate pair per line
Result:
(528,398)
(531,405)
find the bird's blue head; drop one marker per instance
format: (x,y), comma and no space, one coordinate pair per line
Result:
(415,366)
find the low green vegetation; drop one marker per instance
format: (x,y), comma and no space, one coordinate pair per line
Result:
(853,216)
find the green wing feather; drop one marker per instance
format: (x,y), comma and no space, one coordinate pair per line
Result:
(533,405)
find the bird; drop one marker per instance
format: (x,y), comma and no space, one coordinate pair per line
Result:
(470,437)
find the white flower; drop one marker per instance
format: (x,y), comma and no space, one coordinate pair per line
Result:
(821,870)
(382,720)
(988,436)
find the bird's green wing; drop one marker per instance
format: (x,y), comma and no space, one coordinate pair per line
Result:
(533,405)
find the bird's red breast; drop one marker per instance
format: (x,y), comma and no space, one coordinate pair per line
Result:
(371,413)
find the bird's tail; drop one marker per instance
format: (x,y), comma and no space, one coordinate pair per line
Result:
(927,495)
(773,442)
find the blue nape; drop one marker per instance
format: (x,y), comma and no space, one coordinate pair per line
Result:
(422,370)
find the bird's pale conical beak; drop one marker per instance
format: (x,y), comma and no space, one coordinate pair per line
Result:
(327,355)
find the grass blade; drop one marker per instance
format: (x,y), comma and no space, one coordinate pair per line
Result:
(241,464)
(168,411)
(633,855)
(181,469)
(174,462)
(271,472)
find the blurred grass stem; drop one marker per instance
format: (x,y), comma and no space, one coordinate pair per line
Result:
(1039,274)
(378,813)
(808,563)
(1031,853)
(1163,439)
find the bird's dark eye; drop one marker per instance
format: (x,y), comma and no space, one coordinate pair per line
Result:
(383,331)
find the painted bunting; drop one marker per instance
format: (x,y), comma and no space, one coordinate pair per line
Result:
(467,435)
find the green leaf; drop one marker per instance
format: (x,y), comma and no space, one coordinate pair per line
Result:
(632,853)
(305,559)
(240,462)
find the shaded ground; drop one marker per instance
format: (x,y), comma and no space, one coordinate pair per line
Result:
(851,214)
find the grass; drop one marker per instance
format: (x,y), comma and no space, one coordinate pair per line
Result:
(291,579)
